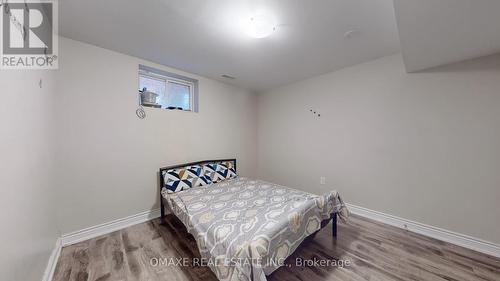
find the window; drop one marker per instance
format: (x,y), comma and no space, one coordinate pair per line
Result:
(179,94)
(170,91)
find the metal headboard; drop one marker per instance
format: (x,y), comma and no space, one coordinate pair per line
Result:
(162,183)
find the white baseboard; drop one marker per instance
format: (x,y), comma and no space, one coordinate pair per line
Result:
(430,231)
(105,228)
(51,264)
(427,230)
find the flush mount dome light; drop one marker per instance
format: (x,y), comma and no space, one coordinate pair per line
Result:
(260,26)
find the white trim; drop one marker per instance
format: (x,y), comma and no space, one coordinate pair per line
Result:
(420,228)
(51,264)
(105,228)
(430,231)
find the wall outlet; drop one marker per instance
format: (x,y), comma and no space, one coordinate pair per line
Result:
(322,180)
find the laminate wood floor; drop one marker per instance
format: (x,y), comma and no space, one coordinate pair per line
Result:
(375,251)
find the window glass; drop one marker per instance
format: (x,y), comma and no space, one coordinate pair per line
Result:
(179,95)
(174,91)
(154,85)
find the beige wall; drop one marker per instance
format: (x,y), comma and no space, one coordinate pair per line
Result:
(108,158)
(422,146)
(27,196)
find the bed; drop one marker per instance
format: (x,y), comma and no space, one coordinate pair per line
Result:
(244,228)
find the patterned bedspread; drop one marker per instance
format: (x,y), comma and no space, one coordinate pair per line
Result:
(245,229)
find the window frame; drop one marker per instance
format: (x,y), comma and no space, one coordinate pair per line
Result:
(166,77)
(183,83)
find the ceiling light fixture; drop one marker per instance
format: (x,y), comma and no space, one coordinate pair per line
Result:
(228,76)
(350,33)
(261,25)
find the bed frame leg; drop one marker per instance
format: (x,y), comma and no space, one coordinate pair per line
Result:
(162,210)
(334,225)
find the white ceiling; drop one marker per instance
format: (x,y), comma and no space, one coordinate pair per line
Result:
(204,37)
(440,32)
